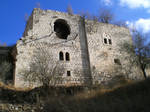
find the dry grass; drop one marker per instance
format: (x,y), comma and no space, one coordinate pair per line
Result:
(133,97)
(11,87)
(102,90)
(123,97)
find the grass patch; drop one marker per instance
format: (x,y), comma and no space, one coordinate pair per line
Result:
(127,97)
(130,98)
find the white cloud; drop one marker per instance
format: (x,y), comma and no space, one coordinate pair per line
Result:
(136,3)
(141,25)
(107,2)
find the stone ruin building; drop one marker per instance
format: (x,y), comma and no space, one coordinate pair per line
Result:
(88,51)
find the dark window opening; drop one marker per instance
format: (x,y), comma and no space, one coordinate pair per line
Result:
(69,91)
(110,42)
(67,56)
(68,73)
(61,28)
(117,61)
(61,56)
(105,40)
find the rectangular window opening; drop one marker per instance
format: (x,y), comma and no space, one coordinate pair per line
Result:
(110,42)
(68,73)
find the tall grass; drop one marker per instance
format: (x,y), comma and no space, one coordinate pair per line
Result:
(130,98)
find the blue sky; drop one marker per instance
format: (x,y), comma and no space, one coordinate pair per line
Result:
(136,13)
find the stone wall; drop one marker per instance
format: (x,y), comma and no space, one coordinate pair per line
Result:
(42,34)
(108,59)
(148,71)
(90,56)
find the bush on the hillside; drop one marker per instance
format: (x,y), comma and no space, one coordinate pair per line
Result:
(132,98)
(5,71)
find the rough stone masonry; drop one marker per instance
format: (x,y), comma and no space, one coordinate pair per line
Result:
(89,51)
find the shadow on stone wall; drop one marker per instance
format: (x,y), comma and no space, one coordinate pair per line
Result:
(85,53)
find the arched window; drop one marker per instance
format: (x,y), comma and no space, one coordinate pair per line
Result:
(105,40)
(110,42)
(67,56)
(61,56)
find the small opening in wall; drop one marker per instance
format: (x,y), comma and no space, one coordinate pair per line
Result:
(110,42)
(68,73)
(61,28)
(67,56)
(105,40)
(69,91)
(117,61)
(61,55)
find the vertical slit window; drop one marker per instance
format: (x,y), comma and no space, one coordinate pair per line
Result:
(67,56)
(61,56)
(110,42)
(68,73)
(105,40)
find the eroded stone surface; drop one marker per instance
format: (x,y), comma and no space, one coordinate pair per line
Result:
(90,52)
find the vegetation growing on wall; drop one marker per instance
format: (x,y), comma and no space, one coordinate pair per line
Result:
(43,69)
(139,51)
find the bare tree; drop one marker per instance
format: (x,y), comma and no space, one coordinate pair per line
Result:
(38,5)
(44,69)
(105,16)
(120,23)
(139,51)
(3,44)
(69,10)
(142,49)
(85,15)
(94,18)
(26,17)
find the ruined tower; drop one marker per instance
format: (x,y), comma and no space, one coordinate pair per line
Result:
(89,51)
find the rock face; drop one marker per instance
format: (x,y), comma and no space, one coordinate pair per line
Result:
(88,51)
